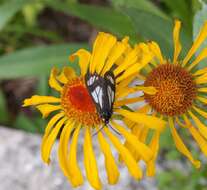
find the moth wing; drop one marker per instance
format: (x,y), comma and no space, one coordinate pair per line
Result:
(95,85)
(110,86)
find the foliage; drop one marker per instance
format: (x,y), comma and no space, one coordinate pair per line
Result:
(22,55)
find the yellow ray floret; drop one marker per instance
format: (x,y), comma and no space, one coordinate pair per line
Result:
(35,100)
(131,164)
(63,151)
(90,161)
(141,148)
(66,74)
(180,145)
(177,45)
(199,40)
(84,58)
(53,80)
(149,121)
(75,171)
(110,164)
(50,140)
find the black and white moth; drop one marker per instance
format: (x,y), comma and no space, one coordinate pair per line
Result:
(102,91)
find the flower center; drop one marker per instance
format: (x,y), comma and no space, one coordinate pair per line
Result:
(78,104)
(176,89)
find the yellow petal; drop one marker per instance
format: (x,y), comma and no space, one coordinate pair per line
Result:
(110,164)
(84,58)
(136,130)
(129,60)
(154,146)
(198,59)
(90,162)
(180,145)
(140,147)
(200,72)
(115,53)
(131,164)
(130,71)
(144,109)
(125,82)
(144,56)
(129,90)
(101,49)
(48,143)
(104,53)
(46,109)
(63,148)
(66,74)
(143,134)
(201,112)
(52,122)
(53,80)
(201,80)
(202,99)
(122,93)
(75,171)
(35,100)
(199,139)
(177,44)
(204,89)
(130,124)
(128,101)
(201,127)
(149,121)
(180,123)
(154,47)
(96,46)
(199,40)
(151,168)
(146,89)
(187,121)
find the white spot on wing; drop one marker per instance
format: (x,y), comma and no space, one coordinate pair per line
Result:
(112,96)
(97,89)
(111,79)
(94,95)
(109,91)
(100,96)
(91,80)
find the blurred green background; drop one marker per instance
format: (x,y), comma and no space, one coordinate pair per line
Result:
(38,34)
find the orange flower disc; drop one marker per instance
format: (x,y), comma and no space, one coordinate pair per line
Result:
(78,104)
(176,89)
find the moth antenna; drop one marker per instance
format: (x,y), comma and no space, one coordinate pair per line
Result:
(115,130)
(100,129)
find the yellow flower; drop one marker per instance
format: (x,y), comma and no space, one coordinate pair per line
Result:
(180,97)
(77,112)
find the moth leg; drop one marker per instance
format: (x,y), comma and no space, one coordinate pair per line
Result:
(98,130)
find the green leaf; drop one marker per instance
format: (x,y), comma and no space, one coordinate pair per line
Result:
(9,9)
(152,27)
(103,18)
(181,9)
(24,123)
(36,61)
(144,5)
(42,87)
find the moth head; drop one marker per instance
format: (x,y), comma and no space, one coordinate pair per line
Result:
(105,116)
